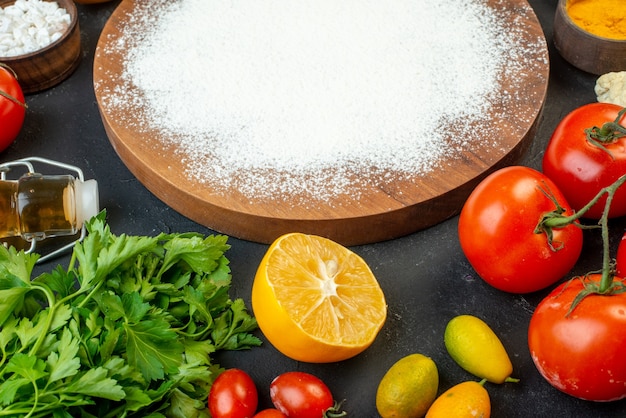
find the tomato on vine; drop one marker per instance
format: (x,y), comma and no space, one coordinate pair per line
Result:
(12,107)
(580,350)
(577,334)
(587,152)
(507,234)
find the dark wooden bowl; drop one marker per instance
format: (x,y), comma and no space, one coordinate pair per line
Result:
(586,51)
(47,67)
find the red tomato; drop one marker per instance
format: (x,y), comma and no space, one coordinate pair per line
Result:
(233,395)
(621,257)
(581,354)
(496,231)
(301,395)
(580,168)
(12,108)
(270,413)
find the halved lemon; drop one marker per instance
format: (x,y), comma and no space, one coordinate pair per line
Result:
(315,300)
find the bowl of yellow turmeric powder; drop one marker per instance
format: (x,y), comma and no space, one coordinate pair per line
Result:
(591,34)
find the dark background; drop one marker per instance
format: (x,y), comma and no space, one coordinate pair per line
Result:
(425,276)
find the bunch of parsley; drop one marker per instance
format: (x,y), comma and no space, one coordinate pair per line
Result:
(127,330)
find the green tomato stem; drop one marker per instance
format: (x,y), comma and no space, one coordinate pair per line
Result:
(335,411)
(607,133)
(607,271)
(555,219)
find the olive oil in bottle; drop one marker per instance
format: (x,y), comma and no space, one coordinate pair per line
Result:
(9,221)
(38,206)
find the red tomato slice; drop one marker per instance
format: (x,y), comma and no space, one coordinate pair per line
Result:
(581,354)
(580,168)
(497,231)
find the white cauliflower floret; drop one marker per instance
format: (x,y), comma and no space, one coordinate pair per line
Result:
(611,88)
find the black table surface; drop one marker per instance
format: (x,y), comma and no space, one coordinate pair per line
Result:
(425,276)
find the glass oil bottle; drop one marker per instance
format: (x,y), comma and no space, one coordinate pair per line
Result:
(37,206)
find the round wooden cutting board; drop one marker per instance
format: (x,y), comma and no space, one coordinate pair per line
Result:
(380,212)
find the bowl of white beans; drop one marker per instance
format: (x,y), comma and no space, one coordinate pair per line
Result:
(40,41)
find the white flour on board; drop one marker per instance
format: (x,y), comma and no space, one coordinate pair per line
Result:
(315,97)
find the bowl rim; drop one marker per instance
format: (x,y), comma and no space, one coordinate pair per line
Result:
(568,19)
(70,8)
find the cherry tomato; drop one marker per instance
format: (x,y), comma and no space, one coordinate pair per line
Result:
(621,257)
(580,168)
(12,108)
(270,413)
(581,354)
(301,395)
(497,231)
(233,395)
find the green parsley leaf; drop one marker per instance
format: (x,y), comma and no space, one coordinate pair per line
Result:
(29,367)
(153,348)
(127,329)
(96,383)
(64,363)
(9,388)
(12,293)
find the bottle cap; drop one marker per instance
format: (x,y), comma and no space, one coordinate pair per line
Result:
(87,200)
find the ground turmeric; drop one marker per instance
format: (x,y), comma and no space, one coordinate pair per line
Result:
(606,18)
